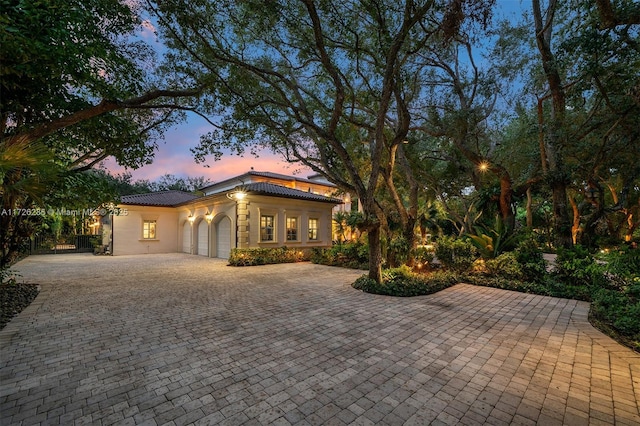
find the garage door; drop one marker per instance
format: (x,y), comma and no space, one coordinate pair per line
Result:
(203,239)
(223,238)
(186,238)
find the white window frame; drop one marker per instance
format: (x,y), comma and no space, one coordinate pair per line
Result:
(297,228)
(316,229)
(273,227)
(146,231)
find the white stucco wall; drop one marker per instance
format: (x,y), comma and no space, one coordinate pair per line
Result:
(176,233)
(283,207)
(127,230)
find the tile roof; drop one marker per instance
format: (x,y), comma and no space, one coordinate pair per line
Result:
(285,177)
(163,198)
(284,192)
(269,175)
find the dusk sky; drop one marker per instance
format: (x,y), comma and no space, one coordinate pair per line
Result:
(173,155)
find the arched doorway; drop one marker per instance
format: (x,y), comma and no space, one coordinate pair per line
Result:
(223,238)
(203,238)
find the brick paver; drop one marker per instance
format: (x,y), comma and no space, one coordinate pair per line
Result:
(178,340)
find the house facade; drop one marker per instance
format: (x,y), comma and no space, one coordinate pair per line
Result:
(256,209)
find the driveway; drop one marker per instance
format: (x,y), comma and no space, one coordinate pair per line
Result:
(178,339)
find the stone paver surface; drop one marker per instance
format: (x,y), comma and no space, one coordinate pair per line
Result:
(178,339)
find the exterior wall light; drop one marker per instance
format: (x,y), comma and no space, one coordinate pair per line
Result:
(237,195)
(191,219)
(209,217)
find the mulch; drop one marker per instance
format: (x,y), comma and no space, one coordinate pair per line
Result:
(14,298)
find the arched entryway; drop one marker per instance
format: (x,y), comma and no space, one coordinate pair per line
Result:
(203,238)
(223,238)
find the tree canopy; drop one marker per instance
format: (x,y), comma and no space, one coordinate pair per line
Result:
(331,85)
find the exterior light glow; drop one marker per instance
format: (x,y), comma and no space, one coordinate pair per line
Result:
(191,219)
(237,195)
(209,217)
(483,166)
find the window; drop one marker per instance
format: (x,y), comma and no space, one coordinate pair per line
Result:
(313,229)
(266,228)
(149,230)
(292,229)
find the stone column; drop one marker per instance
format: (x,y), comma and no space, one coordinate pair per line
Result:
(243,224)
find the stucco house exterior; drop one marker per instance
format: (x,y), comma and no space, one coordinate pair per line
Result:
(256,209)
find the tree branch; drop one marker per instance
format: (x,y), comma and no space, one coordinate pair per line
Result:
(103,107)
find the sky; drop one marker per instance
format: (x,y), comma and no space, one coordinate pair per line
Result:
(173,155)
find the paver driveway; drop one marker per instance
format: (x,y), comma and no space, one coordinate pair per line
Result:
(181,339)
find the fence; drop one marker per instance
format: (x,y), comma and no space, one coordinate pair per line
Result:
(70,244)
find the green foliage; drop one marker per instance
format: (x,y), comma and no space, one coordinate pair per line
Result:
(266,256)
(505,265)
(531,261)
(7,276)
(351,255)
(498,281)
(455,254)
(423,257)
(402,282)
(624,262)
(620,311)
(27,174)
(490,242)
(575,265)
(397,251)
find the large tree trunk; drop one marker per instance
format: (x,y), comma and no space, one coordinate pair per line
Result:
(375,253)
(575,228)
(506,193)
(529,208)
(555,139)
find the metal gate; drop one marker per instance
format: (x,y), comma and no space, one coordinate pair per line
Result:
(69,244)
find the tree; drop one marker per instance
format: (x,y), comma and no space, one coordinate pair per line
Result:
(553,136)
(624,13)
(327,84)
(76,88)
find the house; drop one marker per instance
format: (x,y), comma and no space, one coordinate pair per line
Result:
(255,209)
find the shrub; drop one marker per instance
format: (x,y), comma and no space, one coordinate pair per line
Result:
(505,265)
(7,276)
(531,261)
(620,311)
(624,262)
(398,251)
(506,284)
(572,263)
(455,254)
(265,256)
(491,242)
(423,257)
(402,282)
(351,255)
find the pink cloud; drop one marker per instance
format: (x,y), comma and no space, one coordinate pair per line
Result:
(181,163)
(173,157)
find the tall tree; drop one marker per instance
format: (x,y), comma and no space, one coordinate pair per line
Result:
(76,87)
(324,83)
(553,134)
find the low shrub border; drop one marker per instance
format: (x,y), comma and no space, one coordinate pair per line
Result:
(267,256)
(403,282)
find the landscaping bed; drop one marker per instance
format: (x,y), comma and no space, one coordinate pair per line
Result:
(14,298)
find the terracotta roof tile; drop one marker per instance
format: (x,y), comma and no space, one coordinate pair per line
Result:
(281,191)
(163,198)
